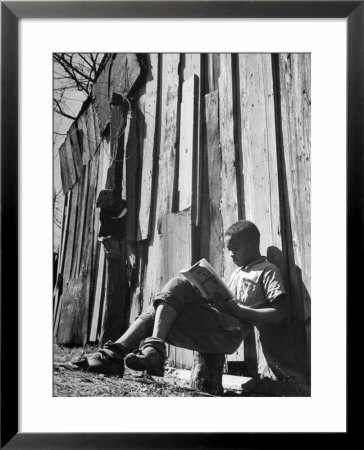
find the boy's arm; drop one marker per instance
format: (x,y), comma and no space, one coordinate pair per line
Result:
(274,314)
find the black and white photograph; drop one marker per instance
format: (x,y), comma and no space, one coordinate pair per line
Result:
(181,224)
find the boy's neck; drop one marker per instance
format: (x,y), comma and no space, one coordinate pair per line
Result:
(254,257)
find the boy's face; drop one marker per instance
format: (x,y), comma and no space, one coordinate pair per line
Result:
(241,251)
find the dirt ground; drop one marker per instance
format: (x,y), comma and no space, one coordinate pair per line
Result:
(70,383)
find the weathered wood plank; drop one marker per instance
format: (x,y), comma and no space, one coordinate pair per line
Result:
(193,67)
(167,154)
(76,149)
(177,254)
(213,71)
(71,167)
(69,255)
(98,296)
(229,195)
(214,165)
(165,175)
(64,238)
(74,315)
(96,125)
(132,151)
(84,142)
(119,76)
(187,144)
(259,148)
(77,244)
(84,182)
(91,133)
(66,183)
(259,168)
(87,247)
(295,95)
(148,150)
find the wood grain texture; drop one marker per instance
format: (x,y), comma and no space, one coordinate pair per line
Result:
(84,142)
(98,296)
(213,71)
(90,206)
(61,258)
(295,95)
(229,194)
(73,323)
(187,144)
(193,67)
(259,148)
(132,152)
(69,254)
(259,167)
(81,230)
(148,150)
(90,130)
(68,165)
(168,144)
(214,165)
(177,254)
(76,149)
(77,244)
(164,180)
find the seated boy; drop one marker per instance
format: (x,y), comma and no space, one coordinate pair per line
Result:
(181,317)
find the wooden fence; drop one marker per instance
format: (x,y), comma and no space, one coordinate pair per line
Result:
(212,138)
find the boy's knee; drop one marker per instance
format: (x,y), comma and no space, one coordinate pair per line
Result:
(173,293)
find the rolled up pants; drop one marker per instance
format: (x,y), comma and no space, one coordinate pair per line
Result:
(199,326)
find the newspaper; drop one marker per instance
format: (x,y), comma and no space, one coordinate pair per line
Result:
(207,281)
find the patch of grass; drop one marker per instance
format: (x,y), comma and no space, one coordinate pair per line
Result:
(69,383)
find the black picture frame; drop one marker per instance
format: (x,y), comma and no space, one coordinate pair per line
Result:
(11,12)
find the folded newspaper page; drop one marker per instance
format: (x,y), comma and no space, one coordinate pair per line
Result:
(207,280)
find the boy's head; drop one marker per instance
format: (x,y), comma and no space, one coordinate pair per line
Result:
(242,240)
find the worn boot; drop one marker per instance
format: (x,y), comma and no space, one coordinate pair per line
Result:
(150,358)
(108,360)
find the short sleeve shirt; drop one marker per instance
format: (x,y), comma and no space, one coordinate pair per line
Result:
(258,284)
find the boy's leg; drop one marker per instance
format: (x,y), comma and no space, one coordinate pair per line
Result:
(110,358)
(152,356)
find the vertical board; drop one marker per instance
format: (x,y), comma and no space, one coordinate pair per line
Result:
(74,314)
(84,182)
(64,173)
(78,224)
(69,255)
(96,125)
(216,244)
(70,164)
(229,194)
(98,296)
(259,164)
(167,154)
(177,254)
(151,94)
(213,71)
(295,95)
(84,141)
(131,152)
(193,67)
(165,176)
(76,149)
(187,144)
(90,206)
(90,130)
(259,147)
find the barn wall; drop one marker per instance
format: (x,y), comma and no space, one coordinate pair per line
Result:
(231,141)
(212,138)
